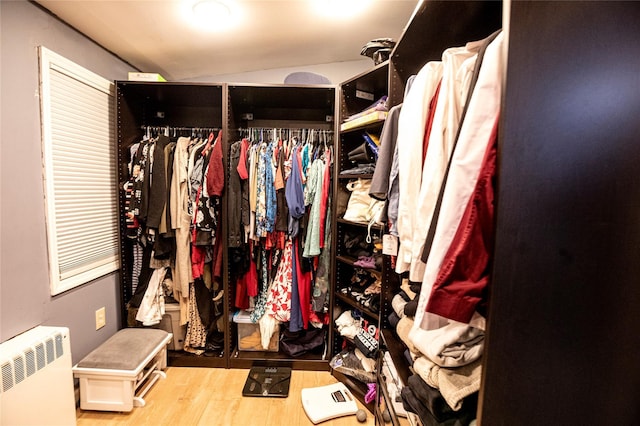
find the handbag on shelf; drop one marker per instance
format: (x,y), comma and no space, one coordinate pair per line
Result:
(361,207)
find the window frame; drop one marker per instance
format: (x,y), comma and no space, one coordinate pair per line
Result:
(61,276)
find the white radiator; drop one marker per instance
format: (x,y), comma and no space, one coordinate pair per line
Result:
(37,381)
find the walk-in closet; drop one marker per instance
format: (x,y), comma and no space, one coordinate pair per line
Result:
(438,226)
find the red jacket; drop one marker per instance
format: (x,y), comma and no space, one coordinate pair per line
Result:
(460,287)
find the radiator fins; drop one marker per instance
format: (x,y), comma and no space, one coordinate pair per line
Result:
(30,361)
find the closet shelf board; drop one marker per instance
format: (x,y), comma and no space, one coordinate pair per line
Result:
(354,304)
(396,349)
(355,176)
(246,359)
(350,261)
(376,117)
(186,359)
(360,224)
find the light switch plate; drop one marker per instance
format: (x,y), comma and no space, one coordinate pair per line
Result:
(101,318)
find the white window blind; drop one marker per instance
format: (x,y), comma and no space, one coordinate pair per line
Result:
(79,172)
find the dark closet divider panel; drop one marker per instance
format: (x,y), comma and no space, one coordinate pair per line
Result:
(434,27)
(564,319)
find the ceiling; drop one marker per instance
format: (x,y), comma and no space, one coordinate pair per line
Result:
(155,36)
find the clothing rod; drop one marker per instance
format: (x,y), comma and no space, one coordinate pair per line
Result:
(279,129)
(157,128)
(305,134)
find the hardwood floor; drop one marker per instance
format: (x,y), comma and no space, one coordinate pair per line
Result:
(213,396)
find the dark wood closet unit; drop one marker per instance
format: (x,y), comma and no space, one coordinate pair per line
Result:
(564,310)
(564,320)
(186,109)
(276,107)
(434,27)
(355,95)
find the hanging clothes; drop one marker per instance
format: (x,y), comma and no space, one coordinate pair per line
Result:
(261,300)
(234,222)
(313,200)
(172,212)
(243,172)
(304,278)
(295,317)
(282,210)
(181,223)
(475,137)
(266,193)
(458,65)
(152,305)
(321,282)
(196,335)
(295,194)
(411,127)
(279,298)
(156,183)
(326,191)
(285,181)
(253,188)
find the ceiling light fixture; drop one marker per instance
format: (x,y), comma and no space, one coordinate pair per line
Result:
(211,9)
(211,15)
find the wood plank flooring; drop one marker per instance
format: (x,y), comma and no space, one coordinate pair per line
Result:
(212,397)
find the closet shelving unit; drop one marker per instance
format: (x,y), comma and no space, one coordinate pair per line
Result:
(187,108)
(433,27)
(355,95)
(280,107)
(564,225)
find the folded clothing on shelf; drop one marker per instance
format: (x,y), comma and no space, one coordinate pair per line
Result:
(360,169)
(355,244)
(365,262)
(379,105)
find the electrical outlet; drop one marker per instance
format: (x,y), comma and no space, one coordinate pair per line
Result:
(101,318)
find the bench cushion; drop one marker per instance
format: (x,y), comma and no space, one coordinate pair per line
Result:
(125,350)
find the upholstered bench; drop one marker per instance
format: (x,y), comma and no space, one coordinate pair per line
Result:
(112,375)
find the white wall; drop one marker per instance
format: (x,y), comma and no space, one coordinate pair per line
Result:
(25,301)
(336,72)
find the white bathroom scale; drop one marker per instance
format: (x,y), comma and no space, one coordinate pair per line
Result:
(328,402)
